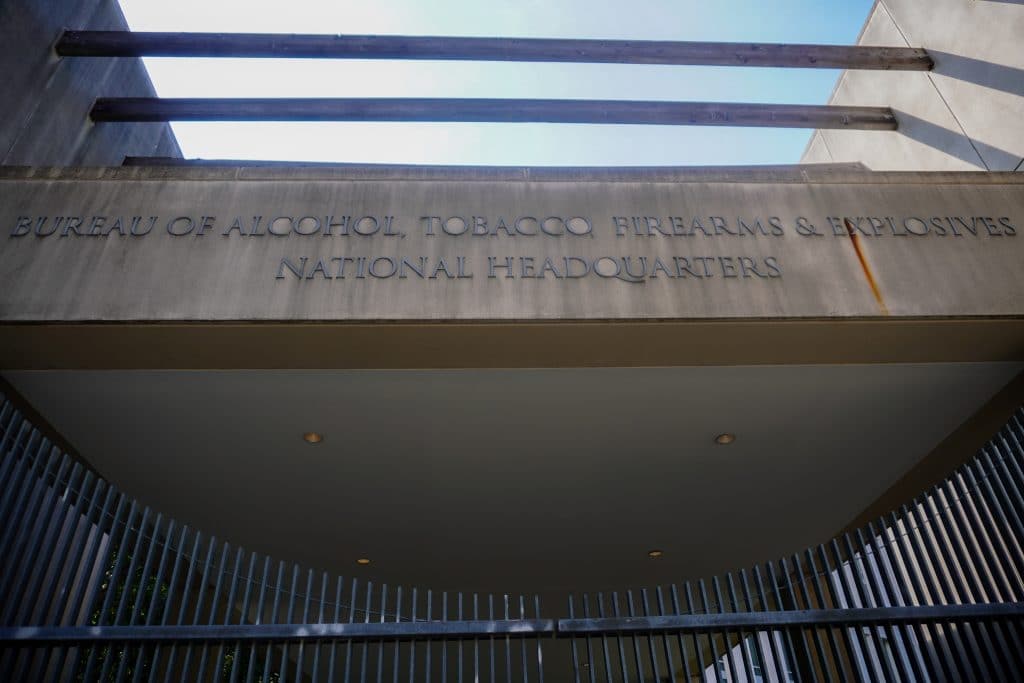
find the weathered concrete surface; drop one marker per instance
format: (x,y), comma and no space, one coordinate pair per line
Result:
(968,113)
(966,262)
(45,116)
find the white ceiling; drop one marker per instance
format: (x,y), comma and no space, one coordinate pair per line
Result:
(515,480)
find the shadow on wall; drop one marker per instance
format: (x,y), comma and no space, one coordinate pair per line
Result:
(996,76)
(955,143)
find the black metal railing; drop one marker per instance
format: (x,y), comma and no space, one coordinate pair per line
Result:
(96,587)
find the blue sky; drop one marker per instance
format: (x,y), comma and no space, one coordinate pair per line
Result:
(792,21)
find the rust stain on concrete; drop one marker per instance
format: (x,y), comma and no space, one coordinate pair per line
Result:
(864,266)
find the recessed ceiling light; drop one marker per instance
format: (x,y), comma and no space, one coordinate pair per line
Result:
(363,561)
(725,439)
(654,554)
(312,437)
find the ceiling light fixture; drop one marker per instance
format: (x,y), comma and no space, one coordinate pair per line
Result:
(725,439)
(312,437)
(654,554)
(363,561)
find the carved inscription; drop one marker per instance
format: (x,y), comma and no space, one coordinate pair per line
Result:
(689,247)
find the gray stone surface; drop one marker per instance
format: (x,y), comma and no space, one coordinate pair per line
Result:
(45,117)
(160,277)
(968,113)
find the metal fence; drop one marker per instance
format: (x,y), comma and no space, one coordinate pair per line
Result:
(96,587)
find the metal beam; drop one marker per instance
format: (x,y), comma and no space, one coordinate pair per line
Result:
(386,630)
(130,44)
(562,628)
(495,110)
(865,616)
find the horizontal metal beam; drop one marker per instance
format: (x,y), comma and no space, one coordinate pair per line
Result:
(868,616)
(130,44)
(495,110)
(389,630)
(427,630)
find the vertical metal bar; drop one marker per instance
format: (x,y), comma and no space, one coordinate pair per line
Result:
(214,603)
(458,642)
(918,638)
(243,618)
(10,421)
(315,673)
(80,579)
(179,556)
(651,648)
(493,643)
(982,560)
(933,592)
(40,562)
(711,635)
(508,644)
(666,640)
(730,654)
(429,647)
(604,641)
(590,650)
(273,618)
(250,669)
(380,649)
(15,470)
(540,654)
(151,613)
(290,619)
(748,600)
(140,592)
(366,620)
(619,638)
(819,644)
(937,565)
(943,542)
(871,595)
(522,641)
(1010,541)
(118,537)
(788,660)
(200,597)
(339,584)
(397,645)
(637,656)
(684,655)
(1006,496)
(26,550)
(78,534)
(916,596)
(444,641)
(13,536)
(12,496)
(300,656)
(743,647)
(573,646)
(351,619)
(219,661)
(476,642)
(52,554)
(412,643)
(819,595)
(839,594)
(698,650)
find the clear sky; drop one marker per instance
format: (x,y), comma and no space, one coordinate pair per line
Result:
(792,21)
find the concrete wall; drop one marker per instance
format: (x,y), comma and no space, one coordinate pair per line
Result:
(967,114)
(44,120)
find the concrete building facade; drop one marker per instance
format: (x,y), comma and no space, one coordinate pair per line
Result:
(506,386)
